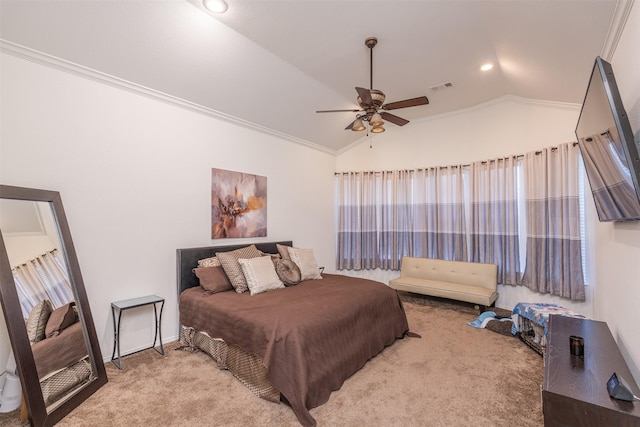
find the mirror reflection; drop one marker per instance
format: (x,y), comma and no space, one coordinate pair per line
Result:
(46,298)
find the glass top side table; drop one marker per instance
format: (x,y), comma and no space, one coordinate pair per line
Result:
(123,305)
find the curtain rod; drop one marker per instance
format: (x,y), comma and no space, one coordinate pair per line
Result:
(32,260)
(484,162)
(441,167)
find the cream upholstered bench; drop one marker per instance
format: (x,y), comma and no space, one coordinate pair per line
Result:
(471,282)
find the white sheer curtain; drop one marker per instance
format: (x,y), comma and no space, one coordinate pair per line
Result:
(494,221)
(42,278)
(553,260)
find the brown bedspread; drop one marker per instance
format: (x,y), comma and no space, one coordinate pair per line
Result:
(61,351)
(311,337)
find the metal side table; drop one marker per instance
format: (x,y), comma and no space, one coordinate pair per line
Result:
(126,305)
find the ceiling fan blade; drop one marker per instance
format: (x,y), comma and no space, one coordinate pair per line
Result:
(365,96)
(413,102)
(394,119)
(338,111)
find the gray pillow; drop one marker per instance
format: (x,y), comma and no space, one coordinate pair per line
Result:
(229,262)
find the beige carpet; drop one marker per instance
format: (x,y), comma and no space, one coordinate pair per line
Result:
(455,375)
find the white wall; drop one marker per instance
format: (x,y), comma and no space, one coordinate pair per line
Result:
(134,174)
(617,257)
(505,126)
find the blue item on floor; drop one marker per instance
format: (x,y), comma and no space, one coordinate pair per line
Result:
(482,320)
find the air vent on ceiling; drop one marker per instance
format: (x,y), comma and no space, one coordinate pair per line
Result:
(442,86)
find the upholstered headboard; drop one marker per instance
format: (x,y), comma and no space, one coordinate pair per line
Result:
(188,259)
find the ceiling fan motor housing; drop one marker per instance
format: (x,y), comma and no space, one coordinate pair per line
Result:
(378,98)
(370,42)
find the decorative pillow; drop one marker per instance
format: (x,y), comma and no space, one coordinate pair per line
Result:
(229,261)
(306,262)
(61,318)
(209,262)
(274,257)
(288,272)
(37,321)
(213,279)
(283,251)
(260,274)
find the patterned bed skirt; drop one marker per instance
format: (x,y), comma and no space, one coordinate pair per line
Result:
(58,384)
(245,367)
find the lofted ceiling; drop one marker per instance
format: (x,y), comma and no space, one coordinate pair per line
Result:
(272,64)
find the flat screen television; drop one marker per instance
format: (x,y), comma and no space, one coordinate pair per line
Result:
(608,148)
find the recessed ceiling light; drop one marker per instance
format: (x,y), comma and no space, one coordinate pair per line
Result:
(215,6)
(486,67)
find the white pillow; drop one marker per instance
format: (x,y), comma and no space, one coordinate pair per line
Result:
(260,274)
(306,262)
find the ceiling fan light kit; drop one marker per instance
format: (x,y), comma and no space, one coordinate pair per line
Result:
(358,125)
(376,120)
(371,100)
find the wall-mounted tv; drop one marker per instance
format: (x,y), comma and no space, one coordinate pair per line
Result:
(608,148)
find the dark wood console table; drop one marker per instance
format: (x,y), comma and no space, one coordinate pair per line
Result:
(574,391)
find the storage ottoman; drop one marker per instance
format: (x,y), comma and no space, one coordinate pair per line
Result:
(530,322)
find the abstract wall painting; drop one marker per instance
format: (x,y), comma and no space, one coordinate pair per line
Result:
(238,204)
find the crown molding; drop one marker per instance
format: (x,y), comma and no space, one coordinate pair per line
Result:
(620,15)
(56,63)
(495,101)
(502,99)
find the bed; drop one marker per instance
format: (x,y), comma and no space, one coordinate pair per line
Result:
(329,330)
(62,363)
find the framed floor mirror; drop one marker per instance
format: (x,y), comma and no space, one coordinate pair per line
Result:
(45,305)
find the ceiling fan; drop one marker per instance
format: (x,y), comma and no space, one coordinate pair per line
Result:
(372,100)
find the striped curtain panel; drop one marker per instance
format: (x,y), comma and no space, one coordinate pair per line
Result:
(386,215)
(396,217)
(553,260)
(494,217)
(439,229)
(42,278)
(357,221)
